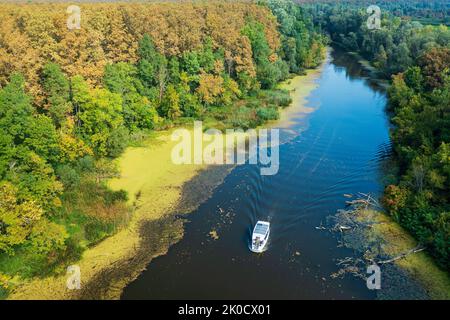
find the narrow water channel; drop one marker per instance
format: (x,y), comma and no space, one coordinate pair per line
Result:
(337,150)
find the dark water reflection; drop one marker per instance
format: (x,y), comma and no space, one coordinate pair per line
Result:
(338,151)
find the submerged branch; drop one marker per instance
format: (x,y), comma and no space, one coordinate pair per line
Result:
(417,249)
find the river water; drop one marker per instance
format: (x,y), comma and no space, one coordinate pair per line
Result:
(337,150)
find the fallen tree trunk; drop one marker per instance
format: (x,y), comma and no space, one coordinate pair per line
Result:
(403,255)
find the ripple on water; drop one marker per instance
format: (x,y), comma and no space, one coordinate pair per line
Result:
(338,151)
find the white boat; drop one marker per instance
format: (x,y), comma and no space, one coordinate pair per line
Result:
(260,236)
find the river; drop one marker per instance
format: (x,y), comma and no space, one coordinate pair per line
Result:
(336,150)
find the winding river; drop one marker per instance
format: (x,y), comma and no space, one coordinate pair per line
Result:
(337,150)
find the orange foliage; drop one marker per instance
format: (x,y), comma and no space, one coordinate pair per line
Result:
(210,88)
(34,34)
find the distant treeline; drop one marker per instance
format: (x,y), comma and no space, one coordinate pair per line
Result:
(432,11)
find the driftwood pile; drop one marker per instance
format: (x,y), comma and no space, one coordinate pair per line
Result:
(346,220)
(353,233)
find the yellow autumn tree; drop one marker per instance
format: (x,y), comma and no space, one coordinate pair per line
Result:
(17,218)
(210,88)
(31,35)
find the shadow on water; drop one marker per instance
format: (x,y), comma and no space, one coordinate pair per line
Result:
(338,151)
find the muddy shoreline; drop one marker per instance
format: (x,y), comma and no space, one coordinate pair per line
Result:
(156,236)
(376,239)
(161,194)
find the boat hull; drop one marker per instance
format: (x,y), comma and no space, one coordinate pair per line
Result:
(262,244)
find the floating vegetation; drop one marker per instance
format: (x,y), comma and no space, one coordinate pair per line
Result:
(213,234)
(407,271)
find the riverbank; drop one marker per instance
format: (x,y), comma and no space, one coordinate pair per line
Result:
(374,74)
(299,87)
(395,241)
(385,236)
(407,270)
(159,191)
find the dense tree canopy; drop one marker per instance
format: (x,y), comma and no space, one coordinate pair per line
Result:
(418,59)
(70,100)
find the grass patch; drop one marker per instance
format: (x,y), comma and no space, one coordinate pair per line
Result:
(266,114)
(278,97)
(250,112)
(24,262)
(256,110)
(91,211)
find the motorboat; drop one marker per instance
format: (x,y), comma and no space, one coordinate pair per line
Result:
(260,236)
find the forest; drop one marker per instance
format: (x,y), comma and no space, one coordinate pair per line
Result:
(416,58)
(434,12)
(72,100)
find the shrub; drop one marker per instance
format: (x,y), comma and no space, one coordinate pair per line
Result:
(253,104)
(68,176)
(112,197)
(280,98)
(245,118)
(95,230)
(117,142)
(86,164)
(270,113)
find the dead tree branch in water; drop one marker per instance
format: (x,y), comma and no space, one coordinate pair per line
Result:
(349,265)
(365,200)
(419,248)
(353,224)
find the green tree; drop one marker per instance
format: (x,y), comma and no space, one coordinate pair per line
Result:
(400,59)
(43,139)
(381,58)
(266,72)
(30,142)
(414,79)
(170,105)
(15,109)
(100,113)
(152,68)
(57,92)
(138,113)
